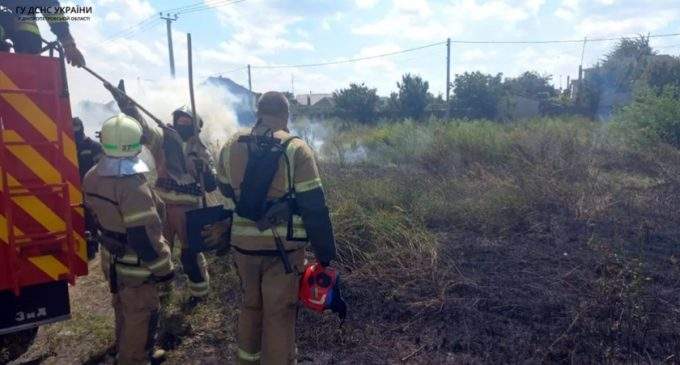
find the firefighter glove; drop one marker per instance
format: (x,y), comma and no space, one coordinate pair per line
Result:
(118,94)
(73,55)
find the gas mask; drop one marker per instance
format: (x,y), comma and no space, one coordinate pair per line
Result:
(185,131)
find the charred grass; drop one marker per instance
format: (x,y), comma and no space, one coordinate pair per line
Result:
(465,242)
(548,240)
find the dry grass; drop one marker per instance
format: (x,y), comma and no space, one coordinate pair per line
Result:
(474,242)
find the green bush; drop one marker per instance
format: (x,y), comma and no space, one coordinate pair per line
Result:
(651,118)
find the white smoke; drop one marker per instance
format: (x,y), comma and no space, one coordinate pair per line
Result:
(162,97)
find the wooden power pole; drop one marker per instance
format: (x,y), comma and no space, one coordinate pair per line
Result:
(250,89)
(168,22)
(448,75)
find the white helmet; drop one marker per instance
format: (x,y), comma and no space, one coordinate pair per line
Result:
(121,136)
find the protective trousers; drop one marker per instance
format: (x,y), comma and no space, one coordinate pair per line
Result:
(194,264)
(266,323)
(136,312)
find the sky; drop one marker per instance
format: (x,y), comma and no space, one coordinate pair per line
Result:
(265,33)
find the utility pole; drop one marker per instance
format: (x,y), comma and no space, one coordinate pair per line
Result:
(448,75)
(580,71)
(168,22)
(250,89)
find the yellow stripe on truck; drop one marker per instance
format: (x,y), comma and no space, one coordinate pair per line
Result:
(47,263)
(36,117)
(42,168)
(45,216)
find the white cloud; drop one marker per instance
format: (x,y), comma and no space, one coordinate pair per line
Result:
(249,33)
(411,19)
(568,9)
(112,17)
(497,10)
(423,21)
(327,22)
(599,25)
(366,4)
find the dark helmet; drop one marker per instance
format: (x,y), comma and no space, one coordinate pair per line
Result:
(77,124)
(186,111)
(273,103)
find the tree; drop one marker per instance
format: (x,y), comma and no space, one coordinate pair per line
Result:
(662,71)
(358,103)
(531,85)
(626,63)
(617,74)
(652,117)
(477,95)
(413,96)
(534,86)
(390,107)
(290,97)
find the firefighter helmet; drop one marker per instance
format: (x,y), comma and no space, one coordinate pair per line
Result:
(121,136)
(320,290)
(186,111)
(77,124)
(273,103)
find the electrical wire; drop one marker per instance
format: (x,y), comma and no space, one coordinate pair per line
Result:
(208,5)
(195,5)
(218,74)
(588,40)
(149,22)
(131,29)
(358,59)
(351,60)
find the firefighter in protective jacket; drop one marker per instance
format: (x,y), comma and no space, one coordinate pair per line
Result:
(89,152)
(266,324)
(18,23)
(135,256)
(182,164)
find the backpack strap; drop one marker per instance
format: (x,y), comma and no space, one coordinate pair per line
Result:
(289,158)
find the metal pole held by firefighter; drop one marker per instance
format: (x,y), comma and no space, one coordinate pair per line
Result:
(199,164)
(106,82)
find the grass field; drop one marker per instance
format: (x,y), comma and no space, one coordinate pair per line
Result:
(551,240)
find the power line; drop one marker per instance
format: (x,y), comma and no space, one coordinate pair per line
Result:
(148,22)
(210,6)
(227,72)
(351,60)
(198,4)
(131,29)
(358,59)
(562,40)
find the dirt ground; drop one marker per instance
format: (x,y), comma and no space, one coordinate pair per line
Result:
(83,338)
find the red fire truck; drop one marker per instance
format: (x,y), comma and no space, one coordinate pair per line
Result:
(42,245)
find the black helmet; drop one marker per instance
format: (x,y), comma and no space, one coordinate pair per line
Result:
(77,124)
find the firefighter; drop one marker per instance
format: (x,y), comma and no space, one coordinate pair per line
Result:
(89,151)
(266,323)
(135,255)
(182,163)
(18,24)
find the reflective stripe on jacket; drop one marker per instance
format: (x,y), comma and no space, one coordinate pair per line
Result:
(230,171)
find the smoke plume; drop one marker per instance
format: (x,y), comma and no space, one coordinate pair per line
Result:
(213,104)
